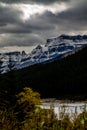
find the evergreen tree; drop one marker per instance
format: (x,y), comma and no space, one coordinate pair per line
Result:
(0,63)
(10,64)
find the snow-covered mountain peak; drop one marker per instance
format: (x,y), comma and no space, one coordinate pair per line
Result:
(39,47)
(54,49)
(66,39)
(36,52)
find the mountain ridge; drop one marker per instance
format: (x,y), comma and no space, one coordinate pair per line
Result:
(65,78)
(54,49)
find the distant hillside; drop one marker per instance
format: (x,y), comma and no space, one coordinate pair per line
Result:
(64,78)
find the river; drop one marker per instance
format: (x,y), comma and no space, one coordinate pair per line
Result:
(65,107)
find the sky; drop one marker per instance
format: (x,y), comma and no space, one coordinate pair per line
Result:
(26,23)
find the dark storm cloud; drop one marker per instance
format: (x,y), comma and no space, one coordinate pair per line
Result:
(73,19)
(39,27)
(33,1)
(9,15)
(11,22)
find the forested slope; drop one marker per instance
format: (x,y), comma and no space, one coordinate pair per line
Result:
(62,78)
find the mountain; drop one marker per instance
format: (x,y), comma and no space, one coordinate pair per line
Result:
(54,49)
(65,78)
(62,79)
(14,57)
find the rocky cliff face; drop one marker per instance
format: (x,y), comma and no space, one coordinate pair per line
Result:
(54,49)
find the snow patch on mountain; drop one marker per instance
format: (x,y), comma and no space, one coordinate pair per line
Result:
(55,48)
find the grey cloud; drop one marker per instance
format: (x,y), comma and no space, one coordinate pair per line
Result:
(15,29)
(9,17)
(33,1)
(76,17)
(21,40)
(10,22)
(41,26)
(73,19)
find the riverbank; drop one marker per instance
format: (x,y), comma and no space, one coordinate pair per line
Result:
(54,100)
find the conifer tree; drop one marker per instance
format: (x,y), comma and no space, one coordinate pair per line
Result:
(0,64)
(10,64)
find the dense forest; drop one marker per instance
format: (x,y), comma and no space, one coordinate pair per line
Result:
(64,78)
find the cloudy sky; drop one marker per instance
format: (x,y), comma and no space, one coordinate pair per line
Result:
(26,23)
